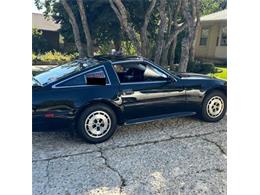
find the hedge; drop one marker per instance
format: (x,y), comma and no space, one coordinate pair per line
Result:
(52,57)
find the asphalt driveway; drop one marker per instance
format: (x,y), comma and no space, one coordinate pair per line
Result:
(177,156)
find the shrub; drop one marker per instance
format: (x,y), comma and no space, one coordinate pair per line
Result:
(39,43)
(203,68)
(53,57)
(34,57)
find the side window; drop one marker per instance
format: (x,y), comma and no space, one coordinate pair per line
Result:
(96,77)
(93,77)
(138,72)
(79,80)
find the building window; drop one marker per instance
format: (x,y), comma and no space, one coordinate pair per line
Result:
(223,41)
(204,36)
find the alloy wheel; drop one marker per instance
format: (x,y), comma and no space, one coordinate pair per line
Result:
(97,124)
(215,106)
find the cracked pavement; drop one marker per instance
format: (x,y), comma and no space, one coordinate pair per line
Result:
(174,156)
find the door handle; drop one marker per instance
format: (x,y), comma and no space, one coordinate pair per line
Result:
(128,92)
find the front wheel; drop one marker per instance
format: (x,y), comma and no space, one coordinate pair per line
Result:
(97,123)
(214,106)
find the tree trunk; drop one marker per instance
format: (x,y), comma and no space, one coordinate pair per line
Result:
(165,53)
(192,49)
(121,14)
(160,38)
(172,58)
(190,18)
(196,9)
(144,39)
(185,48)
(117,44)
(85,28)
(75,28)
(166,46)
(172,35)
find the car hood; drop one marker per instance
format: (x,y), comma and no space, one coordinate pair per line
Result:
(193,76)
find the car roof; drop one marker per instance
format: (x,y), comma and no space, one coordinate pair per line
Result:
(115,58)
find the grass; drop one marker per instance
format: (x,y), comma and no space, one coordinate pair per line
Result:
(221,73)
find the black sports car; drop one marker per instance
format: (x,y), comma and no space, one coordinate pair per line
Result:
(94,95)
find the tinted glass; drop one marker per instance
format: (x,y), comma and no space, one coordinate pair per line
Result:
(79,80)
(82,79)
(138,72)
(64,70)
(95,77)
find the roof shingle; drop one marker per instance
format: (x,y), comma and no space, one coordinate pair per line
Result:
(41,23)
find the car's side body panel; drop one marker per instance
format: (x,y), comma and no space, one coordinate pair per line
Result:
(65,103)
(59,107)
(197,89)
(158,117)
(151,99)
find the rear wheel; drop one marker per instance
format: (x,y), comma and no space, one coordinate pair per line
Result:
(214,106)
(97,123)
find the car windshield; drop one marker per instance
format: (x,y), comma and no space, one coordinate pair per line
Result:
(64,70)
(35,82)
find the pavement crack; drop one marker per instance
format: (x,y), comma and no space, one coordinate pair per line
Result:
(64,156)
(209,170)
(219,170)
(168,139)
(47,175)
(216,144)
(196,135)
(122,179)
(139,144)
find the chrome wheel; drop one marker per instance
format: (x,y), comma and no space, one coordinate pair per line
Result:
(97,124)
(215,106)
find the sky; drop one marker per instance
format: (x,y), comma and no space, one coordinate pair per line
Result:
(34,8)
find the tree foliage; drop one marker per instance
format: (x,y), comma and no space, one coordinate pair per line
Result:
(163,30)
(39,43)
(211,6)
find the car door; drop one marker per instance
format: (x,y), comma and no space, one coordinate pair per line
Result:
(146,90)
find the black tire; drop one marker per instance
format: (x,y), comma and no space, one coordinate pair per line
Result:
(211,112)
(92,113)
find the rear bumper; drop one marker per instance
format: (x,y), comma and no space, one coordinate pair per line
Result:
(51,121)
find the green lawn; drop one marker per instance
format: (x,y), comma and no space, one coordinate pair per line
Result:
(221,74)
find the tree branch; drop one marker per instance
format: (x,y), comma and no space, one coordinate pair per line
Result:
(148,14)
(85,28)
(116,11)
(121,13)
(174,34)
(147,17)
(75,27)
(178,28)
(160,37)
(177,10)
